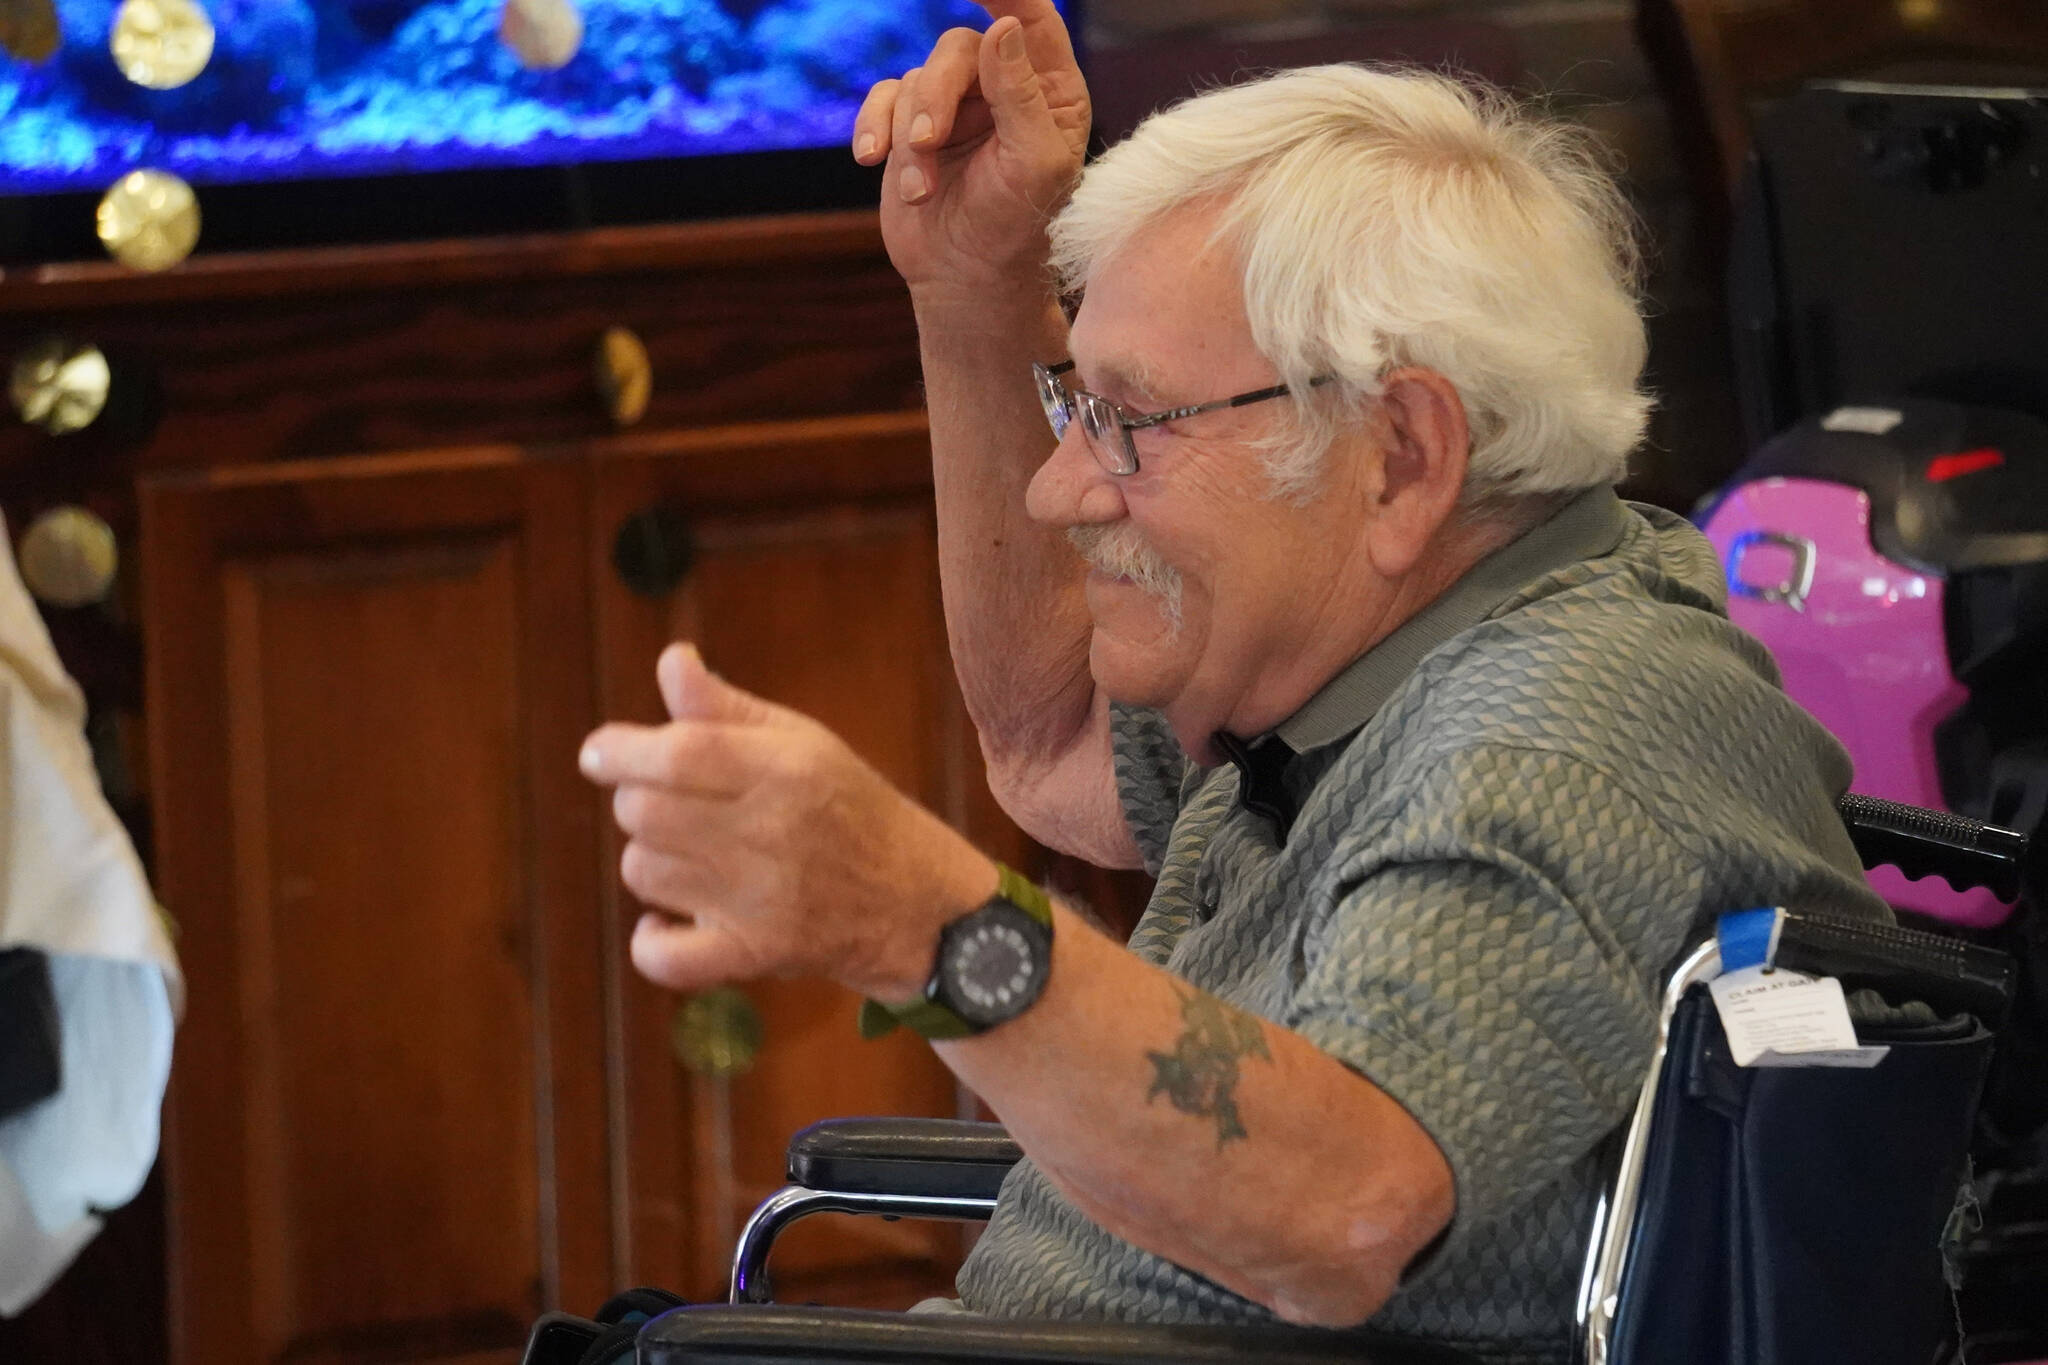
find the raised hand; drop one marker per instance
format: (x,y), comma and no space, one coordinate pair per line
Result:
(983,142)
(766,847)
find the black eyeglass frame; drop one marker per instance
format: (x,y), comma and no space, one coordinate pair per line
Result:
(1063,404)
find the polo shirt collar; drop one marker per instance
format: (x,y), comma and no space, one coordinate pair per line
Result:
(1588,526)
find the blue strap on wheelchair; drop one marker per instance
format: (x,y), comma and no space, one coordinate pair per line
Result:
(1749,938)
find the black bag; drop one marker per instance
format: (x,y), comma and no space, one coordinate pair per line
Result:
(1760,1243)
(565,1339)
(29,1065)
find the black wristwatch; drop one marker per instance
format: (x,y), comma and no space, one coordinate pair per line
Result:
(991,966)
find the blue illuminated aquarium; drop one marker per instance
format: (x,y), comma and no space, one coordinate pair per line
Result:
(419,120)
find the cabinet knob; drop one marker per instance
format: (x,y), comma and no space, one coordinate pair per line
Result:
(654,550)
(624,375)
(544,35)
(161,44)
(68,557)
(30,32)
(59,385)
(149,220)
(718,1034)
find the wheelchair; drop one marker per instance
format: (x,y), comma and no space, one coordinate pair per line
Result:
(1753,1216)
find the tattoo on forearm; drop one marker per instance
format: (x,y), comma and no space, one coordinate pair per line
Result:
(1199,1076)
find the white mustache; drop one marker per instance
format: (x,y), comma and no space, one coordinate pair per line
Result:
(1120,551)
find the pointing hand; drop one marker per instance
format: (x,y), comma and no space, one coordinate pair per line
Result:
(765,846)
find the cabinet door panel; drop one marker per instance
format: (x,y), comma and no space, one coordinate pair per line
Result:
(386,1126)
(834,615)
(825,601)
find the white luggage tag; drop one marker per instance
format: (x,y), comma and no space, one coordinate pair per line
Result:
(1774,1017)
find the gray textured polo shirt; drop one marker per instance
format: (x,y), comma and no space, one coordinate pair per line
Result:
(1514,814)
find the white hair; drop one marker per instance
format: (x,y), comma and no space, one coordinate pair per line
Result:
(1388,218)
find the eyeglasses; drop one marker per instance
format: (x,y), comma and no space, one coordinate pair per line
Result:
(1108,427)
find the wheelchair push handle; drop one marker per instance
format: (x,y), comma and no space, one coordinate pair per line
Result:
(1920,842)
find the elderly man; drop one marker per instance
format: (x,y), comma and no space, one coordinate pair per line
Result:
(1322,608)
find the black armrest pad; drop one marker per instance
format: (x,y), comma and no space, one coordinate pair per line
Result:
(949,1157)
(1950,975)
(721,1334)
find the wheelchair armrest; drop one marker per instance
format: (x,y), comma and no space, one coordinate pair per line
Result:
(1952,976)
(950,1158)
(720,1334)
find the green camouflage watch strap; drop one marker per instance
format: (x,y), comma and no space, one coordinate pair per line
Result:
(928,1017)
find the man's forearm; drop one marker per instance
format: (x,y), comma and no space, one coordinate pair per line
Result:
(1014,611)
(1218,1140)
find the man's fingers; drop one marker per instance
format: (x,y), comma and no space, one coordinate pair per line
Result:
(871,126)
(708,757)
(676,885)
(888,119)
(913,168)
(946,78)
(1015,95)
(679,823)
(692,691)
(1046,39)
(689,957)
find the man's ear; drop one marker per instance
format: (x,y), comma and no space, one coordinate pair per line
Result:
(1422,466)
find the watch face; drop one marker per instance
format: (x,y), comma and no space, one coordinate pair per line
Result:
(992,963)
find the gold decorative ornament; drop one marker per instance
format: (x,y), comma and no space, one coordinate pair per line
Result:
(544,35)
(29,30)
(161,44)
(59,385)
(718,1033)
(149,220)
(624,375)
(68,557)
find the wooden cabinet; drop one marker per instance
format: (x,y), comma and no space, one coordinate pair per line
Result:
(389,562)
(419,1095)
(386,1124)
(811,579)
